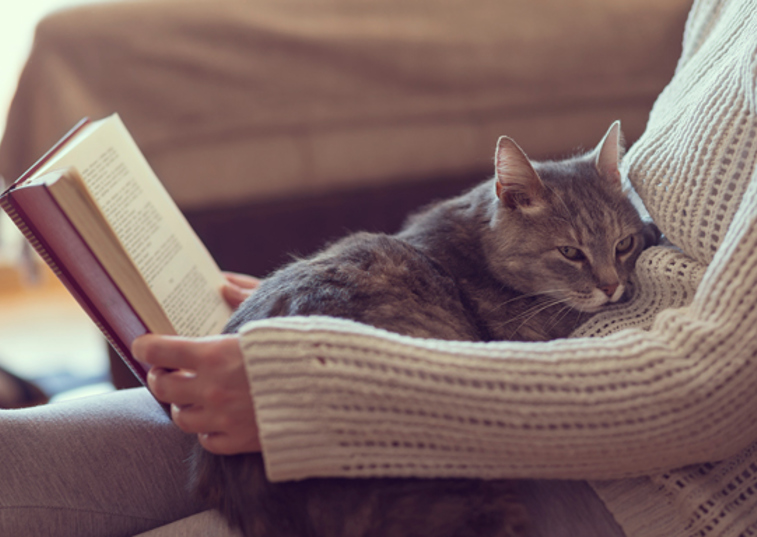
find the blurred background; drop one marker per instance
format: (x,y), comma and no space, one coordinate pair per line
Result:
(278,125)
(44,334)
(16,40)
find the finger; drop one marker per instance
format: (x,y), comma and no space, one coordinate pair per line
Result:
(228,444)
(235,295)
(242,280)
(168,352)
(175,386)
(190,418)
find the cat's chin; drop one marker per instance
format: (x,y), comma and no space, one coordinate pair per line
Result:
(596,301)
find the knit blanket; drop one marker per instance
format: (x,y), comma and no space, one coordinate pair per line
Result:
(669,385)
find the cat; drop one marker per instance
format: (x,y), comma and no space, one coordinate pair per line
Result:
(525,256)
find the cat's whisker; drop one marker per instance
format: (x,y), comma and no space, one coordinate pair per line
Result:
(533,311)
(548,299)
(539,306)
(537,312)
(525,296)
(559,316)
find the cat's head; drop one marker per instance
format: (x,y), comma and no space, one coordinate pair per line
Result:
(565,229)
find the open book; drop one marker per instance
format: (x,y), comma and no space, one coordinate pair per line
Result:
(98,215)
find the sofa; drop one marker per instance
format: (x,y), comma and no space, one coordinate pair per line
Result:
(310,118)
(278,125)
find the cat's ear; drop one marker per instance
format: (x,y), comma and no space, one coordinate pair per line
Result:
(518,184)
(608,154)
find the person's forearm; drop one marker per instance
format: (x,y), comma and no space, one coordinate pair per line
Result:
(332,402)
(339,398)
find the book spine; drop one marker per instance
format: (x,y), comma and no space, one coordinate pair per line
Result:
(6,205)
(49,257)
(10,210)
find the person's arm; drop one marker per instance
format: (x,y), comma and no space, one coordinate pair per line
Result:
(334,398)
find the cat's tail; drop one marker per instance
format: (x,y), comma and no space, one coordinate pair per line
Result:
(237,487)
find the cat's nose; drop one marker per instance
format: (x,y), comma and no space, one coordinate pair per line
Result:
(609,289)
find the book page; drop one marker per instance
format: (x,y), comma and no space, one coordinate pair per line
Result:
(173,261)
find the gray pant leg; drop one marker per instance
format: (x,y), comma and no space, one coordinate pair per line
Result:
(116,465)
(567,509)
(103,466)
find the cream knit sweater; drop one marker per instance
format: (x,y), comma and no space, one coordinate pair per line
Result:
(672,382)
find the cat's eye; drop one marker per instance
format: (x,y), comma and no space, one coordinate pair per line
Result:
(625,245)
(574,254)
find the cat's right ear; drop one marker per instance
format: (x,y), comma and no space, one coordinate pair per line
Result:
(518,185)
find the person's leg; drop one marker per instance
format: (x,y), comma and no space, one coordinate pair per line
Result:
(567,509)
(102,466)
(116,465)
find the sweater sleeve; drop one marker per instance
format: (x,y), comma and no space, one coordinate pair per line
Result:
(335,398)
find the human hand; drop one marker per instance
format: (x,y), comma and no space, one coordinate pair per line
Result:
(205,382)
(238,287)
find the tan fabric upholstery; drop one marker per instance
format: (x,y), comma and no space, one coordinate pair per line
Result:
(237,100)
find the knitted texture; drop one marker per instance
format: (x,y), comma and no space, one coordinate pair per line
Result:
(670,383)
(692,167)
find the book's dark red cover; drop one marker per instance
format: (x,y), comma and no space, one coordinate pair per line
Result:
(51,233)
(58,242)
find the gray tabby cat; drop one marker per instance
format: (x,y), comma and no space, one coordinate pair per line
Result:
(526,256)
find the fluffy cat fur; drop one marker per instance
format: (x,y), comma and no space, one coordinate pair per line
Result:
(525,256)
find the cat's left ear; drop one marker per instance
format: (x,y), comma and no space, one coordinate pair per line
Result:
(608,154)
(518,184)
